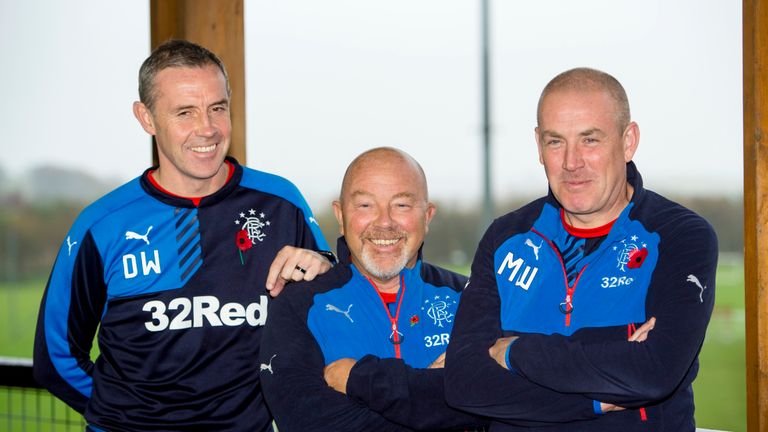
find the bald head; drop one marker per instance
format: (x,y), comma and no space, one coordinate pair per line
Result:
(381,157)
(589,80)
(384,213)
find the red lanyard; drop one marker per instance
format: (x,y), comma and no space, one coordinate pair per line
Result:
(396,337)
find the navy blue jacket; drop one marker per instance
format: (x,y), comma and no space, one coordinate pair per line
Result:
(658,260)
(178,294)
(340,314)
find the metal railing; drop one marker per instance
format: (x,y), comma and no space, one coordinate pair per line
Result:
(26,406)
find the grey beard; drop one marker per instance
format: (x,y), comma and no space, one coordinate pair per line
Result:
(381,273)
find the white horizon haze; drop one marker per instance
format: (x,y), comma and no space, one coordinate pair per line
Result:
(328,80)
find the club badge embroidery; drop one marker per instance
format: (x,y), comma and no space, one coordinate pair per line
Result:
(438,309)
(251,230)
(630,254)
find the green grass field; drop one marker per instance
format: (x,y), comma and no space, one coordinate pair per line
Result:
(720,387)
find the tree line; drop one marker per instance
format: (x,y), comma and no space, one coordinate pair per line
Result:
(31,232)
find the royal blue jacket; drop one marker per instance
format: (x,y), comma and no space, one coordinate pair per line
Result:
(658,260)
(340,315)
(178,294)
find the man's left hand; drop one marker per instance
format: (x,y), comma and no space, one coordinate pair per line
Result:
(498,351)
(336,374)
(294,264)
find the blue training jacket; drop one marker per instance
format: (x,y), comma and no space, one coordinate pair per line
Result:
(658,260)
(177,291)
(340,315)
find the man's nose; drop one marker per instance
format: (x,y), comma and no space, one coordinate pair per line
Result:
(384,217)
(573,159)
(205,126)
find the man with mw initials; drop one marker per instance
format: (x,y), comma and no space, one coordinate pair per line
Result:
(175,269)
(564,288)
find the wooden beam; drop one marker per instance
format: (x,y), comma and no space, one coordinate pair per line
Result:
(755,46)
(218,26)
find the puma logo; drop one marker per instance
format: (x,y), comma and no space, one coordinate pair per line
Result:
(330,307)
(268,366)
(69,246)
(130,235)
(535,248)
(695,280)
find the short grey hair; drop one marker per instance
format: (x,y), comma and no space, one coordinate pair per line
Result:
(174,53)
(587,79)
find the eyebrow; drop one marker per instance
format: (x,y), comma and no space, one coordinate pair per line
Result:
(187,107)
(358,193)
(593,131)
(405,195)
(548,132)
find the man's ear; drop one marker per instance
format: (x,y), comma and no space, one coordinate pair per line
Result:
(339,216)
(144,116)
(538,143)
(631,139)
(430,213)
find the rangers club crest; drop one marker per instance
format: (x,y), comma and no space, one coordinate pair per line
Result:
(251,230)
(630,255)
(439,309)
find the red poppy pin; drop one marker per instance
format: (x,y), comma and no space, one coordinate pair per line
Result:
(637,258)
(414,320)
(243,243)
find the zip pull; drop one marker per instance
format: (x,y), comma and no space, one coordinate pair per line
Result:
(566,307)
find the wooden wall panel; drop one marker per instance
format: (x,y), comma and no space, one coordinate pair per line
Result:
(755,38)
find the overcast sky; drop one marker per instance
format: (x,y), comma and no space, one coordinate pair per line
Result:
(329,79)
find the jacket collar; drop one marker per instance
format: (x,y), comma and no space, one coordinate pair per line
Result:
(177,201)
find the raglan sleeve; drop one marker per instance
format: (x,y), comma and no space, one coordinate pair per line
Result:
(292,378)
(680,296)
(410,396)
(474,382)
(309,234)
(69,315)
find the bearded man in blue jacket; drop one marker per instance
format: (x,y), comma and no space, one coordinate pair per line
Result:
(361,348)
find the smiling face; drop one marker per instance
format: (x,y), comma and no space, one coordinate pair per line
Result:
(584,152)
(190,120)
(384,214)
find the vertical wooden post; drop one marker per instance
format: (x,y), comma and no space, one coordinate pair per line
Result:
(218,26)
(755,36)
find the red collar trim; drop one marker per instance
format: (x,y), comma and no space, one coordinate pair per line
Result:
(586,232)
(195,200)
(388,297)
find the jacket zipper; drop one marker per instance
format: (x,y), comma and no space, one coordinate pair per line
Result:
(566,307)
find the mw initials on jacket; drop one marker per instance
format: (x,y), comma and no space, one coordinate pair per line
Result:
(523,280)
